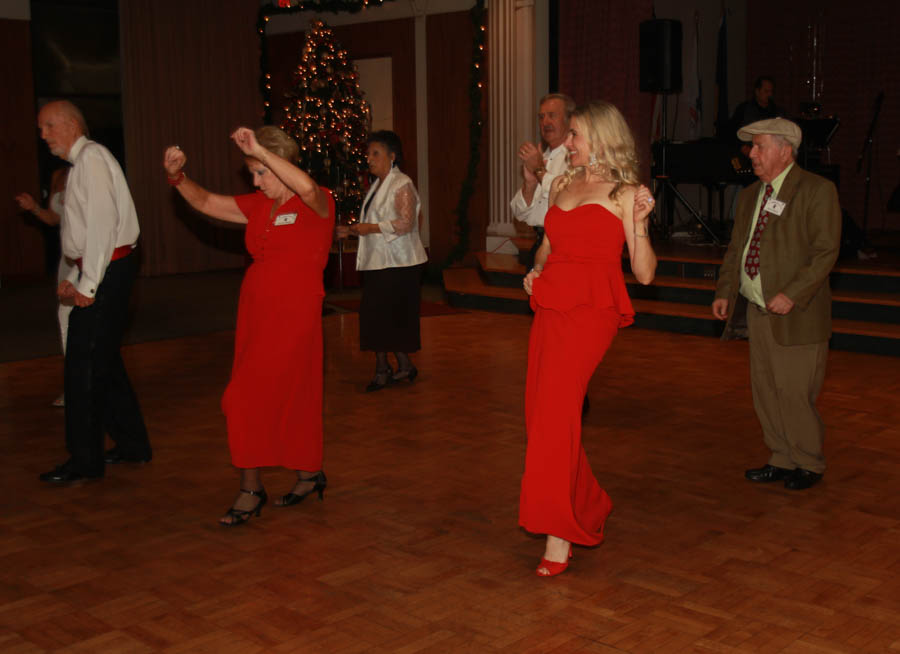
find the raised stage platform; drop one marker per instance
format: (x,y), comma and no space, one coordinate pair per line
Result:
(866,306)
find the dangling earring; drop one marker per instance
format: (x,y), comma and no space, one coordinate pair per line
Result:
(593,164)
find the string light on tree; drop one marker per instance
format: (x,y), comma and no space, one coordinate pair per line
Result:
(329,118)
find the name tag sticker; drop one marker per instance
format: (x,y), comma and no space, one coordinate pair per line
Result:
(285,219)
(775,206)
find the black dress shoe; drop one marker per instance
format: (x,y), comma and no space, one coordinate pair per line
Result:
(768,473)
(112,456)
(802,479)
(64,474)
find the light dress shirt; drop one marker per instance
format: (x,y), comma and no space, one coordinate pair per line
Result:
(752,288)
(394,207)
(533,214)
(100,214)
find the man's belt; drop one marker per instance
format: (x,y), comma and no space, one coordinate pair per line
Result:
(118,253)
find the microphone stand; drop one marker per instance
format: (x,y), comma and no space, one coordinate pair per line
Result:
(866,153)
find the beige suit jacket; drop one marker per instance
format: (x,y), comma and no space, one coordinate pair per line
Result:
(797,251)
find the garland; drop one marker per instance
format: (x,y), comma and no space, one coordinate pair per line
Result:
(476,122)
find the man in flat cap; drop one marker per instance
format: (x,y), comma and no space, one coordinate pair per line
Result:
(773,287)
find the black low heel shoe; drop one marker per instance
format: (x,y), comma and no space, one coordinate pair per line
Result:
(319,487)
(380,380)
(409,375)
(240,516)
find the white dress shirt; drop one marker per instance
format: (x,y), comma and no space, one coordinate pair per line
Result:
(395,209)
(100,214)
(533,214)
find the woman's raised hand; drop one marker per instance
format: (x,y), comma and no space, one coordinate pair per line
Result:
(26,202)
(643,204)
(174,160)
(245,139)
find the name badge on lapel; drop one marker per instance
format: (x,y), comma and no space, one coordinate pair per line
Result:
(775,206)
(285,219)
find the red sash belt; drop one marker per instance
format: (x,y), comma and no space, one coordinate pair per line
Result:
(118,253)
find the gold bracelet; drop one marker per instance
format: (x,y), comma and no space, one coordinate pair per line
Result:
(644,235)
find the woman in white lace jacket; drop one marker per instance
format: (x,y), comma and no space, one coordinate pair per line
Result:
(391,257)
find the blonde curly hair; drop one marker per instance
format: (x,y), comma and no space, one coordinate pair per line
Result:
(611,143)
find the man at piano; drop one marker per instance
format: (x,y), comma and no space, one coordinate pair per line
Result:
(773,288)
(760,107)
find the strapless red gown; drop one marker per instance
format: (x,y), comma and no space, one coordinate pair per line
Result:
(580,302)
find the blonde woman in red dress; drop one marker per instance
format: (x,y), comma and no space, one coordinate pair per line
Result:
(578,294)
(273,403)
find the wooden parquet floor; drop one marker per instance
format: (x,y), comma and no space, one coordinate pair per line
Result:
(416,547)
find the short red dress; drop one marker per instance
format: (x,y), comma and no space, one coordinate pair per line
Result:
(273,403)
(580,302)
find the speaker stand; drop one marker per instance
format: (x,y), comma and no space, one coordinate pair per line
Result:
(665,189)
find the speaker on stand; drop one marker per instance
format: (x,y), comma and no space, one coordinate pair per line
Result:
(660,72)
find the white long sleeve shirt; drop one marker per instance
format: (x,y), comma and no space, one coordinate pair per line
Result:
(533,214)
(100,214)
(395,208)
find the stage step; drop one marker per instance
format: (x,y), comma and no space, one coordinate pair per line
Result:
(501,269)
(866,305)
(466,289)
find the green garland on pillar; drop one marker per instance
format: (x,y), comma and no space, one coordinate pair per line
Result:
(476,125)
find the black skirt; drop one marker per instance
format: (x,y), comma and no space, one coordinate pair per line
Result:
(389,311)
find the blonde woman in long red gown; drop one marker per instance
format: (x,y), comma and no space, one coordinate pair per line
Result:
(273,404)
(578,294)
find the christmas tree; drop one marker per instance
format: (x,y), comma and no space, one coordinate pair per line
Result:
(329,118)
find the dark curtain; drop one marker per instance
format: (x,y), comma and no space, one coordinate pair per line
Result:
(857,55)
(599,50)
(22,252)
(450,37)
(190,75)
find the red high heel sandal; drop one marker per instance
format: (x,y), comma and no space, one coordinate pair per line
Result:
(553,567)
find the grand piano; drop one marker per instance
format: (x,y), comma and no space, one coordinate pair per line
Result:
(708,162)
(716,164)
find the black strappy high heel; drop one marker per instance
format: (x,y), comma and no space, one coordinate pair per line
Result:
(409,375)
(240,516)
(380,380)
(318,487)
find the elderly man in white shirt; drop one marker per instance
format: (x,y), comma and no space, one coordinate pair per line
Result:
(99,234)
(541,166)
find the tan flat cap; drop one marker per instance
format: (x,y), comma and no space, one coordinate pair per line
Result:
(775,126)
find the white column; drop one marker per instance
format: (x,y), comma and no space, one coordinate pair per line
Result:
(511,111)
